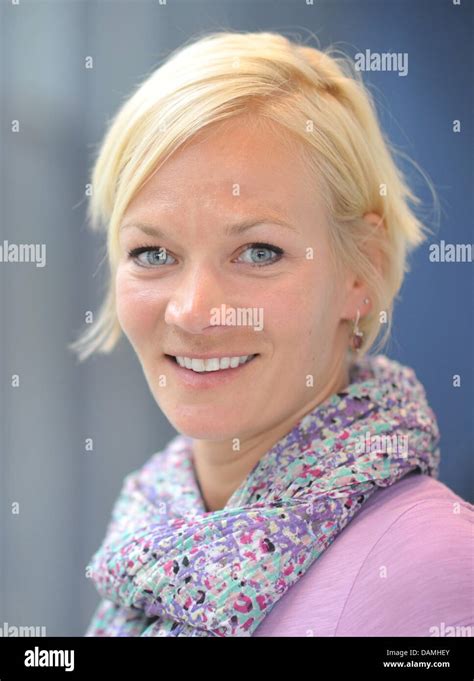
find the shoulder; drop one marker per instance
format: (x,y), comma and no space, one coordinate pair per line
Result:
(432,526)
(417,573)
(420,506)
(417,498)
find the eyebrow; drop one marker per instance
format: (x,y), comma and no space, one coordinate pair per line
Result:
(230,230)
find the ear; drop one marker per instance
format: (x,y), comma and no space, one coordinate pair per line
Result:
(357,291)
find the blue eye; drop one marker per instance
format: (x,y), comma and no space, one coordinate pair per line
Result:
(261,252)
(153,256)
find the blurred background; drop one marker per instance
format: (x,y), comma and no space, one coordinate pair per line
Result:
(65,493)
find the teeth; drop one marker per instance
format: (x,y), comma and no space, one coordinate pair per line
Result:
(214,364)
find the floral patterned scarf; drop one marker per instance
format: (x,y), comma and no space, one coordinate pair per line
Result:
(168,567)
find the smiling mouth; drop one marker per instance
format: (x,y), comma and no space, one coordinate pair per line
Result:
(213,364)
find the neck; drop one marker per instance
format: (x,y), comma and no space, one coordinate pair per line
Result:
(220,470)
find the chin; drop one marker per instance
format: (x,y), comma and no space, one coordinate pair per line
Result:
(211,427)
(209,435)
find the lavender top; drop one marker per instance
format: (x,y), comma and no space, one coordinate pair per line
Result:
(402,567)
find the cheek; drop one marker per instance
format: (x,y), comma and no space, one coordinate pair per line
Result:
(299,313)
(302,321)
(138,305)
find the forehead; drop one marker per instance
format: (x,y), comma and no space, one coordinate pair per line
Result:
(238,166)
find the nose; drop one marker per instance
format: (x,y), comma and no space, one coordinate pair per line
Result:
(190,305)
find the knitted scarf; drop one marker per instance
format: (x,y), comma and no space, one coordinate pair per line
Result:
(168,567)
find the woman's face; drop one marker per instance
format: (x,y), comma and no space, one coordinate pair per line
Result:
(209,288)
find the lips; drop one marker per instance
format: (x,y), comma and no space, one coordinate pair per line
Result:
(211,364)
(207,355)
(208,379)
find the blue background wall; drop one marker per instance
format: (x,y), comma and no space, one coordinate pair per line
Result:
(66,493)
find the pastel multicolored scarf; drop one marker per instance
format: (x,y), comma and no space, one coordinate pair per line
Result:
(168,567)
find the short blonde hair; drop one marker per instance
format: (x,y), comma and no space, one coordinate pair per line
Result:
(319,98)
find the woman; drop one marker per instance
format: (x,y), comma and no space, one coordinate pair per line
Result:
(258,229)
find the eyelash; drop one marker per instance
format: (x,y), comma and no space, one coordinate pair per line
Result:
(135,252)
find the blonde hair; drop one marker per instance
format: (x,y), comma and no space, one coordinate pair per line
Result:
(319,98)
